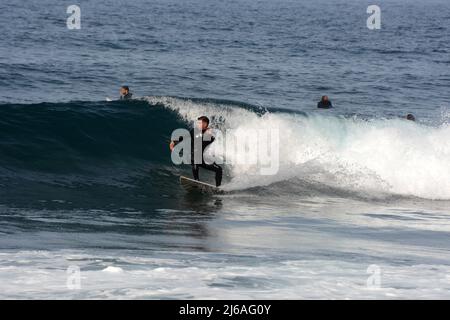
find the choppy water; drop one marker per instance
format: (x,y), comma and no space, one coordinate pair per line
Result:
(90,183)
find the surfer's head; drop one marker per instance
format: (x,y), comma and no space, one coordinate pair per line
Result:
(325,98)
(124,90)
(410,117)
(203,122)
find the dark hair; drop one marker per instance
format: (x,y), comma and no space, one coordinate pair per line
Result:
(126,88)
(410,117)
(204,119)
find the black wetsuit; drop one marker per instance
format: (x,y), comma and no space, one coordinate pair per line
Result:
(127,96)
(195,167)
(324,104)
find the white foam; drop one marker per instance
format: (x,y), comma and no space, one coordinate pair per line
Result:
(290,279)
(381,156)
(112,269)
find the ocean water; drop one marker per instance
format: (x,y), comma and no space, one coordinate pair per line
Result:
(90,204)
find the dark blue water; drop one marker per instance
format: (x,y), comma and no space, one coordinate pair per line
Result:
(90,183)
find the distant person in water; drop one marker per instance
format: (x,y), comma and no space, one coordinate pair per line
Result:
(125,93)
(324,103)
(198,145)
(410,117)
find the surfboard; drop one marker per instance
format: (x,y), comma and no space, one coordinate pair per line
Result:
(192,185)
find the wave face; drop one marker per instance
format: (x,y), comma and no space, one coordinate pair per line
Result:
(73,143)
(65,137)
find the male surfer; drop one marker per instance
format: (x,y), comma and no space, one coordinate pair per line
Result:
(201,138)
(125,93)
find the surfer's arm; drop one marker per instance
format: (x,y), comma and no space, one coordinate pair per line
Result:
(211,136)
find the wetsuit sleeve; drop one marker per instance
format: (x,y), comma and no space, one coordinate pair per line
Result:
(207,142)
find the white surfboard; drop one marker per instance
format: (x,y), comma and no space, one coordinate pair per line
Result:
(192,185)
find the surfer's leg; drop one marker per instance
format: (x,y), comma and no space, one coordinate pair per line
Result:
(195,170)
(217,169)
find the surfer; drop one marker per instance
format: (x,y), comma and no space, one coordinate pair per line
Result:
(324,103)
(125,93)
(410,117)
(202,136)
